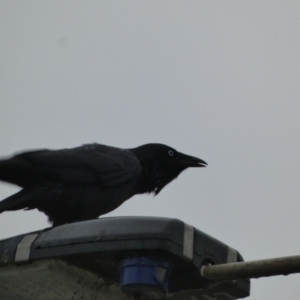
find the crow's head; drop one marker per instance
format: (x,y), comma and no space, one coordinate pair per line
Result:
(161,165)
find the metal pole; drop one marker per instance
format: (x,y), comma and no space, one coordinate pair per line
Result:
(252,269)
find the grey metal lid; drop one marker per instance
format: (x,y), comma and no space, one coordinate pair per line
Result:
(99,245)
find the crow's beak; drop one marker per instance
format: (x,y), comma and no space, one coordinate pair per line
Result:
(191,161)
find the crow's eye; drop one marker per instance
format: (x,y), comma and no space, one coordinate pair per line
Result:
(171,153)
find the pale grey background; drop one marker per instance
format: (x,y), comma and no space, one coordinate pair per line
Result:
(214,79)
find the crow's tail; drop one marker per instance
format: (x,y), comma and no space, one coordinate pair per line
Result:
(24,199)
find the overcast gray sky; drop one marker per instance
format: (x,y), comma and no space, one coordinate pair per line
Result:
(214,79)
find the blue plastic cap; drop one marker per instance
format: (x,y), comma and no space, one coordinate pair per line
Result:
(145,276)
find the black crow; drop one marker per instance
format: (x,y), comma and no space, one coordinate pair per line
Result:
(82,183)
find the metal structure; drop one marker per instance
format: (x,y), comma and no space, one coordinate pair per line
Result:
(116,258)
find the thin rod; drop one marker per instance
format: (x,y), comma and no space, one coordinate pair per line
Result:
(252,269)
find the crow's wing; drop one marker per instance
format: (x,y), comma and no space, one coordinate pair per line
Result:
(94,163)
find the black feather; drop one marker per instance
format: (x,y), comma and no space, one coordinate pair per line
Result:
(83,183)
